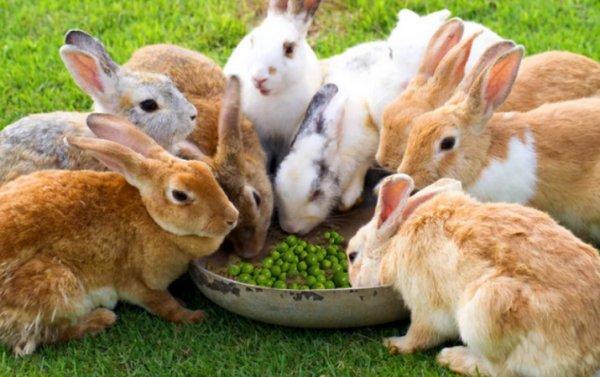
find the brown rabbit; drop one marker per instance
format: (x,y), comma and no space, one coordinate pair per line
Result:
(236,155)
(547,157)
(544,78)
(73,241)
(522,292)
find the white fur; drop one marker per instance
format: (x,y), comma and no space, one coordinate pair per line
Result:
(513,179)
(106,297)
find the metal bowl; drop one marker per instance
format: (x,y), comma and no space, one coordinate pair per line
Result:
(327,308)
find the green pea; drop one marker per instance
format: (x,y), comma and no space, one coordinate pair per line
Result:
(312,260)
(318,286)
(329,284)
(275,270)
(327,235)
(247,268)
(312,249)
(341,279)
(293,270)
(283,276)
(291,240)
(244,277)
(341,256)
(333,259)
(310,280)
(266,273)
(280,285)
(234,270)
(304,287)
(337,268)
(282,247)
(262,280)
(320,257)
(294,286)
(251,282)
(267,262)
(313,271)
(303,274)
(289,256)
(276,255)
(326,264)
(321,279)
(285,267)
(302,266)
(279,262)
(303,255)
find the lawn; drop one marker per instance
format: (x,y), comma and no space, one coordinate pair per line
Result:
(34,80)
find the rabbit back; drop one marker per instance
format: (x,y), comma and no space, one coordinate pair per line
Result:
(36,143)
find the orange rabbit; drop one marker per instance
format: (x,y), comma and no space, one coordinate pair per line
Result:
(74,241)
(547,158)
(521,292)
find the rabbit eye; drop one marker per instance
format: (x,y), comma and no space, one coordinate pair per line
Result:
(180,196)
(149,105)
(288,49)
(257,198)
(352,256)
(448,143)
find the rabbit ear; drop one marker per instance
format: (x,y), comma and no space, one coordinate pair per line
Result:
(89,64)
(304,8)
(121,131)
(451,69)
(116,157)
(395,205)
(490,89)
(444,39)
(229,159)
(313,119)
(278,6)
(489,56)
(394,191)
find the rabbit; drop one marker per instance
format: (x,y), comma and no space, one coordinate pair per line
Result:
(519,290)
(547,77)
(74,241)
(280,73)
(528,158)
(312,180)
(232,149)
(150,101)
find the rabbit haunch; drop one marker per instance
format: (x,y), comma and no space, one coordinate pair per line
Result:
(518,289)
(103,236)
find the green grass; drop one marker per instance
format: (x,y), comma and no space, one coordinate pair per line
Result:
(34,80)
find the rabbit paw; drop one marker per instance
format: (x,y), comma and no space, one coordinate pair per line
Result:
(399,345)
(460,360)
(189,316)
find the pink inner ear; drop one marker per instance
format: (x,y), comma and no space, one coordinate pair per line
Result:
(501,79)
(88,70)
(390,198)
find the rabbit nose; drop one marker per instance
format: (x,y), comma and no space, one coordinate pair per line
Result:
(259,81)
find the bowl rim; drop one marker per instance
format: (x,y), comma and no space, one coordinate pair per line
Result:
(200,265)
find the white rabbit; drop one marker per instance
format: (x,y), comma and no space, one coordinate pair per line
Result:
(279,71)
(348,132)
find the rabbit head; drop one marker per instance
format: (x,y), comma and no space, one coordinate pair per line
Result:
(182,197)
(395,205)
(240,172)
(453,140)
(150,101)
(441,71)
(306,189)
(278,47)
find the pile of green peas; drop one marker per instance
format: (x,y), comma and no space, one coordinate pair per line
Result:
(299,265)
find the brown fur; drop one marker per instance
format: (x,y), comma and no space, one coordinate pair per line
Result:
(565,134)
(544,78)
(203,83)
(523,292)
(71,241)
